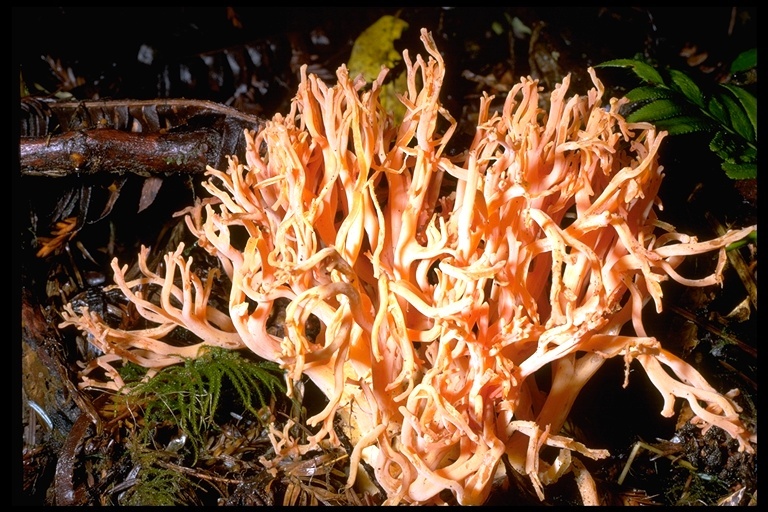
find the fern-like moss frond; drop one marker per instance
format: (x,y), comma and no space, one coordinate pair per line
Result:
(189,394)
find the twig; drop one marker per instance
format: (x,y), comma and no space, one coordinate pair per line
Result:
(737,261)
(714,330)
(636,448)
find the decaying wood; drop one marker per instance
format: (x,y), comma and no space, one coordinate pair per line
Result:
(106,150)
(64,399)
(148,138)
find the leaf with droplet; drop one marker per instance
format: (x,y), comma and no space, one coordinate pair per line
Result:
(744,61)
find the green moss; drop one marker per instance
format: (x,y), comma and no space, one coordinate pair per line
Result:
(189,395)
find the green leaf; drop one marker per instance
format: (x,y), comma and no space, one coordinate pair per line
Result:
(688,87)
(751,238)
(646,92)
(740,121)
(748,103)
(745,61)
(740,171)
(684,124)
(681,107)
(656,111)
(732,148)
(717,110)
(644,71)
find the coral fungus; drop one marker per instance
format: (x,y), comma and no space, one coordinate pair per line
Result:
(442,283)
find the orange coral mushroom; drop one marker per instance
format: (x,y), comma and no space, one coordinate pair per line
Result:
(436,311)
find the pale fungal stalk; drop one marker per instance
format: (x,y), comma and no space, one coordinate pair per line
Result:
(436,310)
